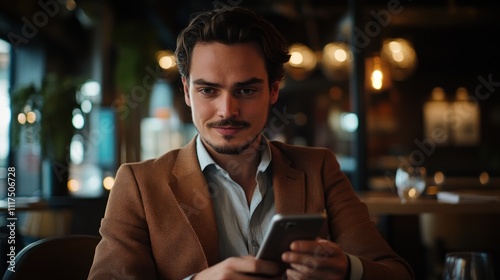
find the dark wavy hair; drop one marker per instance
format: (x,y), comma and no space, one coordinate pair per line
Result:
(233,25)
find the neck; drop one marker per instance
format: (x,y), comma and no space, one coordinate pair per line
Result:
(242,167)
(244,162)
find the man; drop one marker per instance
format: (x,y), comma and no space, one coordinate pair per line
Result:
(201,211)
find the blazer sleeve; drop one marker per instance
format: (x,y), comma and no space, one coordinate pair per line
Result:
(124,251)
(351,227)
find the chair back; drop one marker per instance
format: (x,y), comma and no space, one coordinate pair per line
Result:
(55,258)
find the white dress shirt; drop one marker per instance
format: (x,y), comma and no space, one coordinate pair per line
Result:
(241,227)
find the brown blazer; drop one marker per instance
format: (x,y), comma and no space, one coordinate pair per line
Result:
(160,223)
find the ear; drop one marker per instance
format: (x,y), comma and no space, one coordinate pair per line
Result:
(274,92)
(185,86)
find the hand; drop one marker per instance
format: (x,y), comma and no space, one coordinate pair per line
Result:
(319,259)
(247,267)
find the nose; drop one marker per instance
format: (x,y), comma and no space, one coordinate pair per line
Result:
(228,106)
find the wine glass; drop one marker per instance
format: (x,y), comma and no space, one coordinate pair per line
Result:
(410,182)
(468,266)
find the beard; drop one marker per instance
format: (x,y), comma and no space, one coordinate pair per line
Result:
(231,150)
(228,149)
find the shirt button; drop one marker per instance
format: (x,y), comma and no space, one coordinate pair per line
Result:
(254,243)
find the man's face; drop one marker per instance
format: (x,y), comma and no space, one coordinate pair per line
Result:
(229,95)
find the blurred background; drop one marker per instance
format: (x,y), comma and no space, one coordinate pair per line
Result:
(88,85)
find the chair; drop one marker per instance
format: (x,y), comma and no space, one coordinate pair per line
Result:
(55,258)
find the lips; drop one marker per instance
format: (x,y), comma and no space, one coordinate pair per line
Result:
(228,130)
(228,127)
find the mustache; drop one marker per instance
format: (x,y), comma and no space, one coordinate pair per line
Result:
(228,122)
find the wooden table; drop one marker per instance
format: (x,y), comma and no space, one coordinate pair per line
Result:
(414,228)
(388,203)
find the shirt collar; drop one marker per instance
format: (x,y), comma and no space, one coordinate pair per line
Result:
(204,158)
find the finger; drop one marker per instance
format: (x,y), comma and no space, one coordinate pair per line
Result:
(304,270)
(303,262)
(315,262)
(327,249)
(321,249)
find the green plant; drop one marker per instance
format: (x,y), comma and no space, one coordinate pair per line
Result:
(53,104)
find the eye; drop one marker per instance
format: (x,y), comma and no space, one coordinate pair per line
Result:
(206,91)
(245,91)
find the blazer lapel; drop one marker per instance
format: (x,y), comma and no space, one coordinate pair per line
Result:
(288,184)
(193,196)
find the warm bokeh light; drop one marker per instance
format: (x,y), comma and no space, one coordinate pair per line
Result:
(21,118)
(340,55)
(296,59)
(438,94)
(166,59)
(439,177)
(302,61)
(73,185)
(300,119)
(108,182)
(70,5)
(336,60)
(335,54)
(301,56)
(31,117)
(395,46)
(484,178)
(432,190)
(377,79)
(400,56)
(167,62)
(413,193)
(462,94)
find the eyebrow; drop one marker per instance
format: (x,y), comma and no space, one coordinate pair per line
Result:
(250,81)
(202,82)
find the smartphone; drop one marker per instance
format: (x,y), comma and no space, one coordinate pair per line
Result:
(286,228)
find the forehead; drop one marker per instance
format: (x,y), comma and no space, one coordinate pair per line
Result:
(216,59)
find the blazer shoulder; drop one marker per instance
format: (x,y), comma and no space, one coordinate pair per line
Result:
(164,161)
(303,156)
(294,150)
